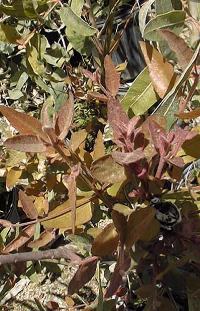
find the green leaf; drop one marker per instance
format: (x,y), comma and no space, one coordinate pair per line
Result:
(8,34)
(173,20)
(141,95)
(143,14)
(25,8)
(33,59)
(77,30)
(77,6)
(15,94)
(163,6)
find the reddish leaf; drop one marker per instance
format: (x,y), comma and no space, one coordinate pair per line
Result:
(97,96)
(65,118)
(44,115)
(122,266)
(157,134)
(126,158)
(118,120)
(179,46)
(83,275)
(25,124)
(27,205)
(112,77)
(24,236)
(161,72)
(177,162)
(25,143)
(120,213)
(51,135)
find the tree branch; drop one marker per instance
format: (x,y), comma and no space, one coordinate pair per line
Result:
(57,253)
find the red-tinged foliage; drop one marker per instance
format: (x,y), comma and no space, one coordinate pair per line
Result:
(27,205)
(83,275)
(25,124)
(112,77)
(116,281)
(25,143)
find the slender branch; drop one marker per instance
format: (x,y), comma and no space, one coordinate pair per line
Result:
(57,253)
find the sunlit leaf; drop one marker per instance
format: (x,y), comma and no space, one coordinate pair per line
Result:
(173,20)
(141,95)
(83,215)
(26,143)
(64,118)
(126,158)
(33,59)
(12,177)
(161,72)
(24,123)
(70,182)
(77,30)
(99,148)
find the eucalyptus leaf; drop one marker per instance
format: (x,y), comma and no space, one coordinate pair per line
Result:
(141,95)
(143,14)
(173,20)
(77,29)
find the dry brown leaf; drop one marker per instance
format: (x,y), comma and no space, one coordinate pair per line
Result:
(161,72)
(24,236)
(25,124)
(25,143)
(112,77)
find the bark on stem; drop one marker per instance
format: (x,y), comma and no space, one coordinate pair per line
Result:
(57,253)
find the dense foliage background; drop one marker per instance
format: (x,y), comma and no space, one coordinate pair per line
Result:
(100,154)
